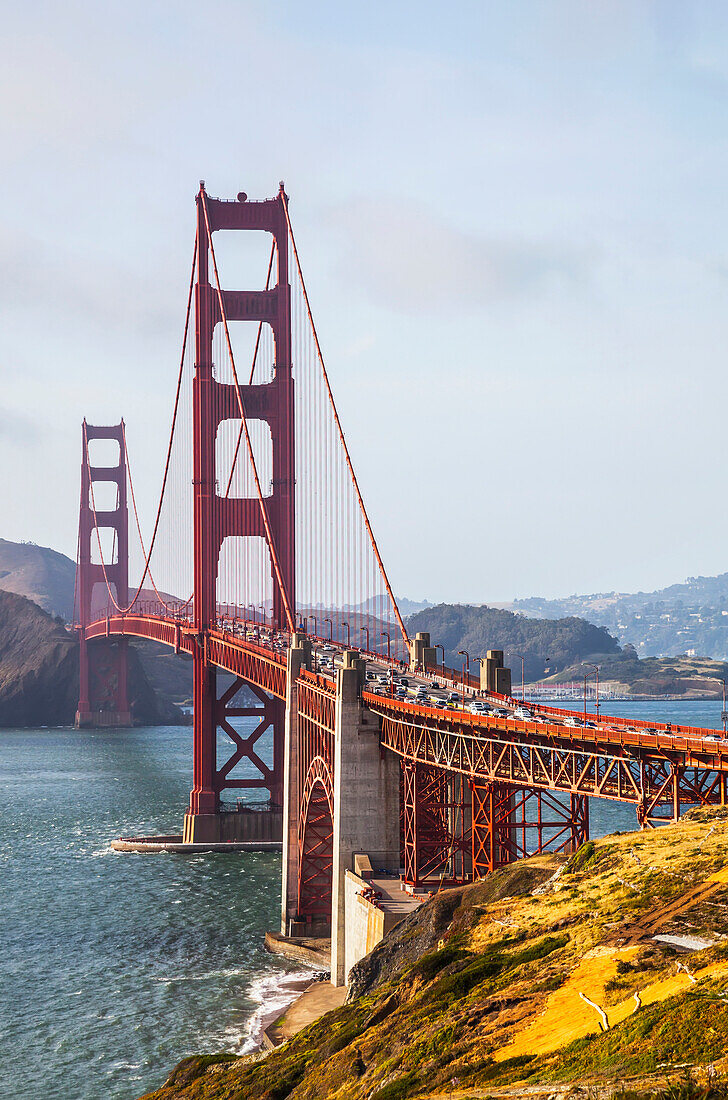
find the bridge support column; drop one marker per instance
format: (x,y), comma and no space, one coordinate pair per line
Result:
(103,691)
(298,655)
(366,800)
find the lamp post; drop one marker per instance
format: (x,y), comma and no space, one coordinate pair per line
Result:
(596,669)
(479,661)
(466,668)
(331,628)
(724,715)
(442,647)
(261,608)
(348,635)
(522,659)
(365,630)
(385,634)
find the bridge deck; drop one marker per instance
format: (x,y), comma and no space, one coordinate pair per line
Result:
(618,758)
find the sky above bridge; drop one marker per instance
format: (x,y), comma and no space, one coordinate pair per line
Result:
(512,219)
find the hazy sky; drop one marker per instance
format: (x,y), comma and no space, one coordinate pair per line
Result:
(512,219)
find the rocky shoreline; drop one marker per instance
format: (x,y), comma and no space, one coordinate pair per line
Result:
(603,972)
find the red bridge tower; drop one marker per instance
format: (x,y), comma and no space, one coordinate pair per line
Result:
(102,697)
(217,518)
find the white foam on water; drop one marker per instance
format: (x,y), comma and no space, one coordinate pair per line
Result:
(273,993)
(229,972)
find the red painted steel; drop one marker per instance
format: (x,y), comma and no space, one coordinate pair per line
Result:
(477,791)
(316,717)
(217,517)
(102,670)
(656,781)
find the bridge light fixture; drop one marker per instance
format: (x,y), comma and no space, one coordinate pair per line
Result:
(466,668)
(596,669)
(522,659)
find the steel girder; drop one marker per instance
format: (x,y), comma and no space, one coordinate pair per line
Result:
(646,781)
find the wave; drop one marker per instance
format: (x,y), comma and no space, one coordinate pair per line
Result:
(273,993)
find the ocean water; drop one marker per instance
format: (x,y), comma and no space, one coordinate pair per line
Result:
(115,966)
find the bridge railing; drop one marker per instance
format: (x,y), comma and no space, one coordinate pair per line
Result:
(684,739)
(271,644)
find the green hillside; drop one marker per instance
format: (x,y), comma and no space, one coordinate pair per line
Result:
(546,644)
(539,981)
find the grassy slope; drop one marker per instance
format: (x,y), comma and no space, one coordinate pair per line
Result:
(497,1001)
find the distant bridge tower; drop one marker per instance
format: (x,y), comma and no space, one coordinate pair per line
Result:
(103,698)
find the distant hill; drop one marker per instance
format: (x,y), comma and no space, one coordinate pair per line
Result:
(689,618)
(41,574)
(410,607)
(39,672)
(47,578)
(547,645)
(689,677)
(374,605)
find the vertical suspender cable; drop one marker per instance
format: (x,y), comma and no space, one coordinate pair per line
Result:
(365,516)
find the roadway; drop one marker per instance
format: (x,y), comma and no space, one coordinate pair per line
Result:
(258,652)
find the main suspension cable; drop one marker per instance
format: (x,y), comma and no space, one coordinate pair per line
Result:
(147,570)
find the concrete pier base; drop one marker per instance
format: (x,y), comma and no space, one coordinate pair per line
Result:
(366,801)
(173,842)
(102,719)
(240,825)
(298,655)
(201,829)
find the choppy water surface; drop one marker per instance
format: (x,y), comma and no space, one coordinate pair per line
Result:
(114,966)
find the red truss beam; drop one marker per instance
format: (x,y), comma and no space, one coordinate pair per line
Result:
(455,830)
(435,825)
(648,781)
(245,745)
(510,823)
(315,853)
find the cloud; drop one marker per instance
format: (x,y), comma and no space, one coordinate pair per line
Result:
(409,260)
(17,428)
(61,280)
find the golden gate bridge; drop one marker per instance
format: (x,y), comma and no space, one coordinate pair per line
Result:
(261,565)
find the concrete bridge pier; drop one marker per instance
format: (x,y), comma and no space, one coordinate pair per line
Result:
(299,655)
(366,800)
